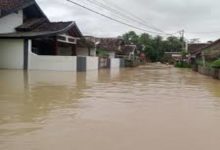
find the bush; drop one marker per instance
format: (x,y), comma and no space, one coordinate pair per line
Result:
(216,64)
(182,64)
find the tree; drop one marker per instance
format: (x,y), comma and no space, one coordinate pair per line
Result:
(131,38)
(154,47)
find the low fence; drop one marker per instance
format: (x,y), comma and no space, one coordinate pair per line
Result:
(87,63)
(72,63)
(54,63)
(104,62)
(115,63)
(212,72)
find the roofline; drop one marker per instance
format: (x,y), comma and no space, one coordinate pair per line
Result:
(52,33)
(27,5)
(34,1)
(202,49)
(211,44)
(21,7)
(80,33)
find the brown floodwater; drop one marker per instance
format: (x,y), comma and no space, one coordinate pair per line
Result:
(147,108)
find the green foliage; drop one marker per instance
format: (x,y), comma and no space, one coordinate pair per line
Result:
(131,37)
(216,64)
(168,59)
(102,53)
(184,53)
(199,62)
(154,47)
(182,64)
(207,63)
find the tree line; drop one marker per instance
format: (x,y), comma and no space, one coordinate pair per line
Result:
(154,47)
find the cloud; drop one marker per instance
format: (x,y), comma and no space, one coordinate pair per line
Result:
(167,15)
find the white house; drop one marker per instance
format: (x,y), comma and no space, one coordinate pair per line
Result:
(28,40)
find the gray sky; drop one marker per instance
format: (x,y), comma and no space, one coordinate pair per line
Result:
(167,15)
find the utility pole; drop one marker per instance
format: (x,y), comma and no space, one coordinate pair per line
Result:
(185,44)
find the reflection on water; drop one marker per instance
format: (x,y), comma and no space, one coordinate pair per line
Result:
(151,107)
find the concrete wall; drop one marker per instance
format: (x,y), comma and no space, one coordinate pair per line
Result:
(114,63)
(111,54)
(54,63)
(10,22)
(85,52)
(87,63)
(82,52)
(93,52)
(92,63)
(215,73)
(11,54)
(64,51)
(122,63)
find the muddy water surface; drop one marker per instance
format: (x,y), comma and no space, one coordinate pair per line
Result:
(145,108)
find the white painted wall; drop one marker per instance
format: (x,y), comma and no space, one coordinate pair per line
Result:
(114,63)
(92,63)
(53,63)
(10,22)
(93,52)
(111,54)
(11,54)
(82,52)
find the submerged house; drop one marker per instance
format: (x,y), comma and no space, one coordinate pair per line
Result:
(195,48)
(212,51)
(29,40)
(129,52)
(109,46)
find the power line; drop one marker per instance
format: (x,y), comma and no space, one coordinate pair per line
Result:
(121,13)
(113,19)
(210,32)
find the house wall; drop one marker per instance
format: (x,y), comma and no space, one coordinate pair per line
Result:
(10,22)
(11,54)
(93,52)
(92,63)
(64,51)
(54,63)
(111,54)
(114,63)
(82,52)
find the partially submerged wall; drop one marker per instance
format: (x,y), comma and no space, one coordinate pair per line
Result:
(55,63)
(87,63)
(11,54)
(115,63)
(92,63)
(215,73)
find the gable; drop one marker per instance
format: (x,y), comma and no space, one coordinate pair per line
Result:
(213,50)
(10,6)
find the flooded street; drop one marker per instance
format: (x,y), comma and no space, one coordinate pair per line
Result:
(146,108)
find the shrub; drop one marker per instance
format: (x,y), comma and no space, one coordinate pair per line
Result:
(182,64)
(216,64)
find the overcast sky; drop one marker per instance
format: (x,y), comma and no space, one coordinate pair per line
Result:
(168,15)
